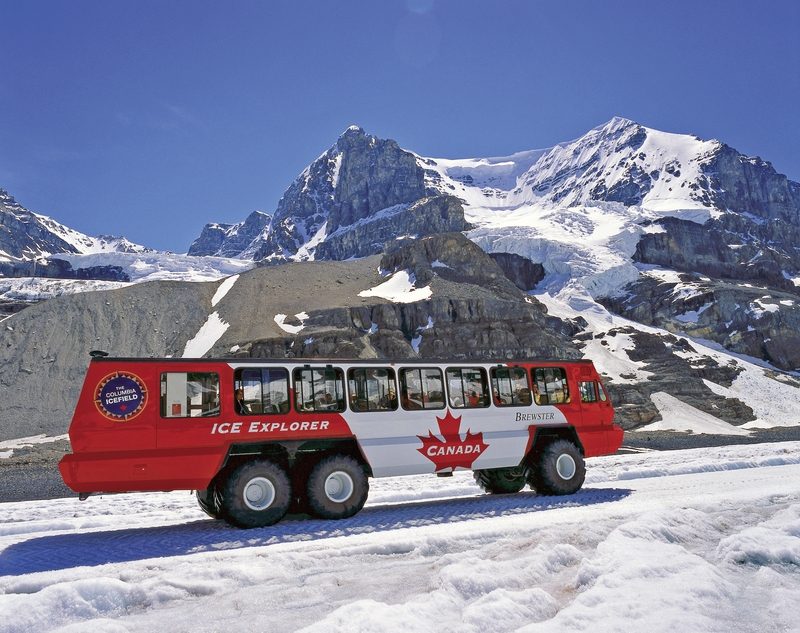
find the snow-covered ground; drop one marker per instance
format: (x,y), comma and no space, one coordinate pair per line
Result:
(697,540)
(7,447)
(540,204)
(770,393)
(157,265)
(140,267)
(40,288)
(400,288)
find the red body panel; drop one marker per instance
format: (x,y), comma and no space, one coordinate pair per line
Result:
(121,442)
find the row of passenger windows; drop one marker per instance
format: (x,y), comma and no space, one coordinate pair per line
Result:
(265,390)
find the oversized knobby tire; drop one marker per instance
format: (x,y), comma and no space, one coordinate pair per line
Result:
(256,494)
(558,469)
(501,481)
(337,487)
(210,501)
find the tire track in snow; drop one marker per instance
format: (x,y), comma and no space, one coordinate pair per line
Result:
(64,551)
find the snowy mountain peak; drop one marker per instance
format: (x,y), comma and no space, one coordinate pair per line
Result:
(231,240)
(7,200)
(616,124)
(623,162)
(353,138)
(27,236)
(355,196)
(353,129)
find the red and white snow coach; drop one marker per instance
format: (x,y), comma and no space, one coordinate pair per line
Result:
(256,437)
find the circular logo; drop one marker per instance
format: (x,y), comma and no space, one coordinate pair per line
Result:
(120,396)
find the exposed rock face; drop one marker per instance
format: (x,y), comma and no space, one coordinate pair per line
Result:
(754,240)
(748,304)
(457,329)
(674,374)
(743,318)
(751,185)
(709,249)
(230,240)
(373,174)
(524,273)
(362,185)
(481,314)
(211,239)
(22,233)
(452,257)
(61,269)
(474,312)
(360,194)
(437,214)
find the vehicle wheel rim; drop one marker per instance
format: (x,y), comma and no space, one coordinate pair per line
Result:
(339,486)
(259,493)
(565,466)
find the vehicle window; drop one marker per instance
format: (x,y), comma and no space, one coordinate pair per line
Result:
(261,391)
(189,395)
(421,389)
(467,387)
(588,391)
(510,387)
(372,389)
(550,385)
(602,391)
(319,389)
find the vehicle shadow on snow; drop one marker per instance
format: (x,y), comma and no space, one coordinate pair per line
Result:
(65,551)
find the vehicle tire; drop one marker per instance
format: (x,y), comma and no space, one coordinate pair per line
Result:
(210,501)
(337,487)
(256,494)
(501,481)
(559,469)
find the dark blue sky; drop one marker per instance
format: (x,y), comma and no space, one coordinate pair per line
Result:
(151,118)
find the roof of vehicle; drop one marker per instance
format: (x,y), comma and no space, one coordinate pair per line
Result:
(342,361)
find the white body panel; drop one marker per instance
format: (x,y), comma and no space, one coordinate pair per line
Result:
(391,440)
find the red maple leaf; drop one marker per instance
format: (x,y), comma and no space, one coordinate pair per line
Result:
(451,451)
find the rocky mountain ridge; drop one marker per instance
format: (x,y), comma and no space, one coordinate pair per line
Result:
(347,203)
(688,238)
(26,236)
(686,204)
(469,309)
(231,240)
(472,311)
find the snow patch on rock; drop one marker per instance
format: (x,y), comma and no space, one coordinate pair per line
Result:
(7,447)
(679,416)
(211,331)
(291,329)
(223,289)
(399,289)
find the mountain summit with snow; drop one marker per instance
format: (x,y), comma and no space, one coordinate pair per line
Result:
(347,203)
(672,262)
(620,161)
(25,236)
(602,215)
(362,181)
